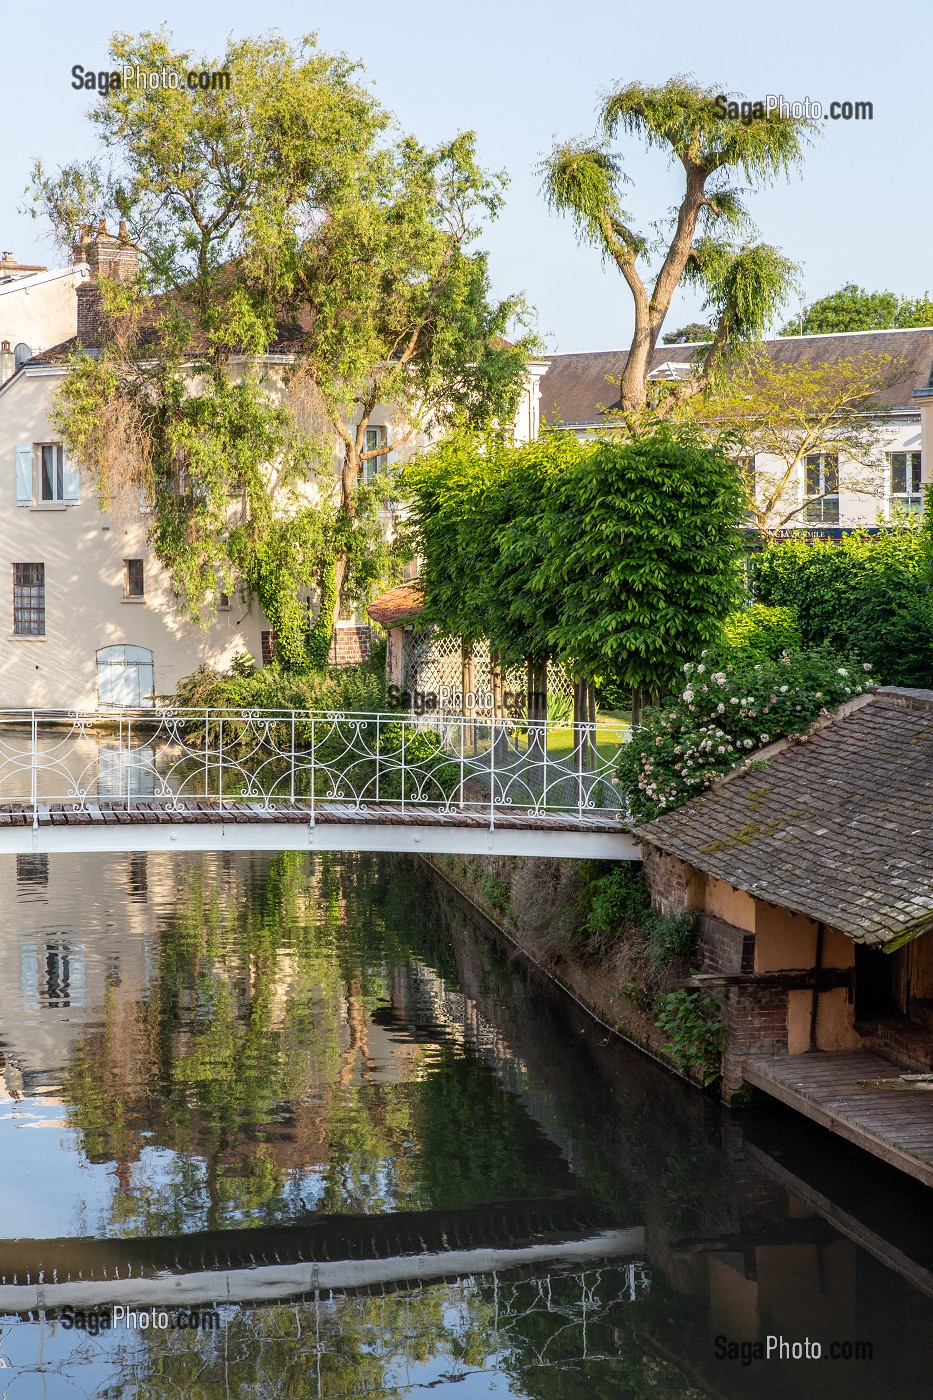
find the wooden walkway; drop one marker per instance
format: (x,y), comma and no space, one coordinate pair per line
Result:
(201,824)
(863,1098)
(386,814)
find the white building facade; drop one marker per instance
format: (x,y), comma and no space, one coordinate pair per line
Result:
(823,493)
(91,620)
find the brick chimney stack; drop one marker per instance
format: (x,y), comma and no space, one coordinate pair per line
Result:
(110,257)
(7,361)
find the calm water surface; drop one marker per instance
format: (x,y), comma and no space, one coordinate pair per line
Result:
(310,1096)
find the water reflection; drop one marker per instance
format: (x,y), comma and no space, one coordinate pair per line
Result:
(215,1067)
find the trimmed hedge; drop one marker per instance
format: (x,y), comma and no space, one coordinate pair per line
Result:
(868,596)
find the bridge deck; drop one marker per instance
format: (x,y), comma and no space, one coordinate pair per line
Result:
(387,814)
(861,1097)
(144,824)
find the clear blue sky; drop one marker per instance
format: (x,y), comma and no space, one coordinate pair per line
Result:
(520,74)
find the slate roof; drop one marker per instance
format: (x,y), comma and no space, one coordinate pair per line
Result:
(838,827)
(396,605)
(576,389)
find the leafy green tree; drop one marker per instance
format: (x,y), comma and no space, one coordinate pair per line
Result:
(643,553)
(774,415)
(853,308)
(283,214)
(619,559)
(696,333)
(707,242)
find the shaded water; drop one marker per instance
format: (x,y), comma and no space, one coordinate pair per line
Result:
(311,1092)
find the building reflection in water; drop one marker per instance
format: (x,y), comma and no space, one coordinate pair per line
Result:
(245,1041)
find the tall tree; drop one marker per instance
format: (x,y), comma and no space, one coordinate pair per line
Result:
(707,238)
(775,415)
(300,263)
(852,308)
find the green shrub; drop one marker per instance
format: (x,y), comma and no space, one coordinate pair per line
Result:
(867,596)
(695,1030)
(670,937)
(727,710)
(247,686)
(762,632)
(621,897)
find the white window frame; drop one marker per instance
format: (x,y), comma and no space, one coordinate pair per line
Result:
(377,435)
(909,500)
(820,499)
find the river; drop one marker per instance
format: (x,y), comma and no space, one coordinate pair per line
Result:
(311,1105)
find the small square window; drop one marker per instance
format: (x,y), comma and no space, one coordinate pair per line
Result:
(134,584)
(223,602)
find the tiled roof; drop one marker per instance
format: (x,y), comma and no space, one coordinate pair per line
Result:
(838,827)
(397,605)
(578,388)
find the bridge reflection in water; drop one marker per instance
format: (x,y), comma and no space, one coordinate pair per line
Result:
(311,1063)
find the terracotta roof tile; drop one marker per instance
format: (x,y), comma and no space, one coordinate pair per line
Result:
(397,605)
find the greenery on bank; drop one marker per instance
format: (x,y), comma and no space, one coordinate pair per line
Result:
(732,704)
(250,687)
(616,910)
(866,596)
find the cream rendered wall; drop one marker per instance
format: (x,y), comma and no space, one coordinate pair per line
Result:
(41,309)
(83,553)
(902,434)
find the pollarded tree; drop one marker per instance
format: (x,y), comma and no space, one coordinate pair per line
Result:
(643,557)
(745,282)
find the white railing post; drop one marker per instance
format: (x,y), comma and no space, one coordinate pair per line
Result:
(292,784)
(220,777)
(378,750)
(462,758)
(35,769)
(313,784)
(404,732)
(492,772)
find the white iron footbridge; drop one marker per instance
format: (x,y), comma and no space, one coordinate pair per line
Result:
(208,780)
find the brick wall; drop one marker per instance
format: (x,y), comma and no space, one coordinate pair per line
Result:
(351,645)
(725,948)
(757,1022)
(675,886)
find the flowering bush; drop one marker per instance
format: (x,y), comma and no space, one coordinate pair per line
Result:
(728,708)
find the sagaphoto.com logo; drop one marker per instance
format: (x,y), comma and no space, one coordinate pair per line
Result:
(775,104)
(134,76)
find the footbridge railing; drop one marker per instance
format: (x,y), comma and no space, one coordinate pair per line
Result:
(169,758)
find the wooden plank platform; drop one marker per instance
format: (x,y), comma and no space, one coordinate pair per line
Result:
(387,814)
(199,824)
(840,1091)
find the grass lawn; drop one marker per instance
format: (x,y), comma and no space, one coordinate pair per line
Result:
(610,733)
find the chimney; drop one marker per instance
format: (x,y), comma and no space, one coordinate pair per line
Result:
(110,257)
(7,361)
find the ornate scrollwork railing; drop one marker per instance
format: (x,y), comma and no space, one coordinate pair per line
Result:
(172,757)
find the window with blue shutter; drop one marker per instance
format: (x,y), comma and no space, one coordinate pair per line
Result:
(24,473)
